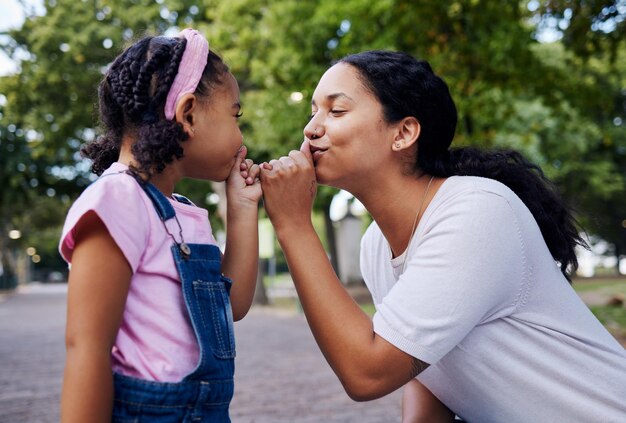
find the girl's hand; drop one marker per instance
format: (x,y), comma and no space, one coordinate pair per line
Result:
(289,187)
(250,171)
(243,185)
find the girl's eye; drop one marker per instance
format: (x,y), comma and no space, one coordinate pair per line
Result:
(238,115)
(337,112)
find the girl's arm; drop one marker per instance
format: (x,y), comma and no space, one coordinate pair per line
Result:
(241,257)
(366,364)
(97,288)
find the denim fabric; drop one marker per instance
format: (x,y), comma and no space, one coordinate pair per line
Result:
(203,395)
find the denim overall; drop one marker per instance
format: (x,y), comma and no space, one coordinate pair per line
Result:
(204,394)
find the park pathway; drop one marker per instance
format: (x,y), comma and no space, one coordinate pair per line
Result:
(281,375)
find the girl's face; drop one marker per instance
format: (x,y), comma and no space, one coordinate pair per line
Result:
(349,138)
(210,153)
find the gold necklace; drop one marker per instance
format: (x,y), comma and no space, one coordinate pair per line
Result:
(419,211)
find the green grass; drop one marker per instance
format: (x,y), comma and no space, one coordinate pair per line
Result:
(611,315)
(279,279)
(613,284)
(368,308)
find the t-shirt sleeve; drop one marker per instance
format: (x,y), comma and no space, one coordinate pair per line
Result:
(466,270)
(119,202)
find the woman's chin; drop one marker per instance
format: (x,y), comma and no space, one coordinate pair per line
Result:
(319,175)
(323,179)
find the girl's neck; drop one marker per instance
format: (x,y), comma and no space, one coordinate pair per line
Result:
(164,181)
(394,205)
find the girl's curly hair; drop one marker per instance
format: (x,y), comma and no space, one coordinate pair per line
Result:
(132,99)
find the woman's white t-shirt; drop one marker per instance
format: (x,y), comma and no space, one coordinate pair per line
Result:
(483,302)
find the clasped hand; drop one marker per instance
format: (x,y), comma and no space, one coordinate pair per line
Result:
(289,186)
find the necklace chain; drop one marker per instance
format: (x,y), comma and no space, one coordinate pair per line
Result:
(419,211)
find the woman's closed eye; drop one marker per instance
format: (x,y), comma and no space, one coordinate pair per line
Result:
(335,112)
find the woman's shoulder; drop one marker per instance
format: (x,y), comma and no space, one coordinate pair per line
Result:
(479,191)
(472,200)
(455,185)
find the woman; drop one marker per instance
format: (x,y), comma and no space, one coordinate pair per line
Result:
(468,273)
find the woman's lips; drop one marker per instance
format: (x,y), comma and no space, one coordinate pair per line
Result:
(317,152)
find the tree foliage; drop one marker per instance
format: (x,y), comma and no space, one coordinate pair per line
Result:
(561,103)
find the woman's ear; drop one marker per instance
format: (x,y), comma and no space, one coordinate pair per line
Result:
(408,131)
(185,113)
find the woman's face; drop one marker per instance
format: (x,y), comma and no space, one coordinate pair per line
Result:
(349,138)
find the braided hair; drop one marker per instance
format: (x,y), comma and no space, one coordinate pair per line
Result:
(132,98)
(406,86)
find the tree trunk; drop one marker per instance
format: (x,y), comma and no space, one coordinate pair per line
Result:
(260,294)
(330,237)
(8,265)
(618,256)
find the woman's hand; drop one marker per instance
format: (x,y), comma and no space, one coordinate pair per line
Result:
(289,187)
(243,186)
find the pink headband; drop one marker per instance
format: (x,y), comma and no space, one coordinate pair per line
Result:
(190,69)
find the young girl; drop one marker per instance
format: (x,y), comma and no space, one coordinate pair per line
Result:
(151,301)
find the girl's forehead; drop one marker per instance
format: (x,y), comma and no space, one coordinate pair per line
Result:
(229,87)
(231,82)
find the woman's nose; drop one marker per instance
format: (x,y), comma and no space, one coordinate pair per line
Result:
(312,131)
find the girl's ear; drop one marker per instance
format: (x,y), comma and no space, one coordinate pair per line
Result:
(185,113)
(408,131)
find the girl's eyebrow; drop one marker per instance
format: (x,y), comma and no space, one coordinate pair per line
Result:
(336,96)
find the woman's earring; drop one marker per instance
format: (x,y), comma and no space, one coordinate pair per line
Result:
(397,145)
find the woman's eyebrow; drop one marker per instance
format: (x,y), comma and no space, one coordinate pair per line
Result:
(335,96)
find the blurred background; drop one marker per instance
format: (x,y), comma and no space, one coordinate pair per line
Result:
(545,77)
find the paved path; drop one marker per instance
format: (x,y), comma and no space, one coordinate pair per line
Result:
(281,375)
(32,352)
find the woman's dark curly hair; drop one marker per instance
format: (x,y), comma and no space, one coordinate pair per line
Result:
(406,86)
(132,99)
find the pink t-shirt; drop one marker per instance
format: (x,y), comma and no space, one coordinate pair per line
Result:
(155,340)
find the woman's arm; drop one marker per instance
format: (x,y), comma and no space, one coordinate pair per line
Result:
(367,365)
(241,258)
(97,288)
(419,405)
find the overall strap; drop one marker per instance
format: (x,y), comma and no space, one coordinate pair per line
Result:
(166,211)
(160,201)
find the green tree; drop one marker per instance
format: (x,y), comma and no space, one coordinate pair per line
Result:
(561,103)
(48,107)
(591,74)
